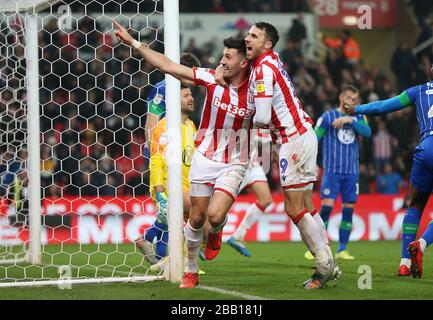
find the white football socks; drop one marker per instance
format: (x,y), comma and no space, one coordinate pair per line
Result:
(253,214)
(312,237)
(422,244)
(406,262)
(194,238)
(323,232)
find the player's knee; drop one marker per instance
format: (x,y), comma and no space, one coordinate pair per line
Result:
(215,217)
(197,218)
(292,210)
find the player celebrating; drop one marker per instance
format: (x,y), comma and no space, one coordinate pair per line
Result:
(158,178)
(255,179)
(279,109)
(221,158)
(421,177)
(340,133)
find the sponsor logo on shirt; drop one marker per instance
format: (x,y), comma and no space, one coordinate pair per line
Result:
(231,108)
(346,135)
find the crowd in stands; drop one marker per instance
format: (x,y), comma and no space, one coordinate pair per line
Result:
(190,6)
(246,6)
(93,105)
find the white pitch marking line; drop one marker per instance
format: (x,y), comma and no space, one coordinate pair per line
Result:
(207,288)
(232,293)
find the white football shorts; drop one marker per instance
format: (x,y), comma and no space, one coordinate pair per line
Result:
(207,176)
(253,175)
(297,162)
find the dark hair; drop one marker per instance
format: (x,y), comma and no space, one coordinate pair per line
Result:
(189,60)
(349,88)
(237,43)
(270,31)
(184,86)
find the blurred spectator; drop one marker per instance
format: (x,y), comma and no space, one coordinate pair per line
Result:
(422,9)
(389,182)
(291,56)
(365,179)
(217,6)
(401,125)
(298,31)
(192,48)
(382,147)
(403,64)
(347,44)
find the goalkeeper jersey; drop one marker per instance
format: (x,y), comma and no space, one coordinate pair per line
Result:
(158,164)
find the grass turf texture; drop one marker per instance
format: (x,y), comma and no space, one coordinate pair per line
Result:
(275,271)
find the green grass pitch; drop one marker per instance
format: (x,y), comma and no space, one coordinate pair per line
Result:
(275,271)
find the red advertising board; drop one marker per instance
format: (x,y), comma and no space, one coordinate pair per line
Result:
(344,13)
(123,219)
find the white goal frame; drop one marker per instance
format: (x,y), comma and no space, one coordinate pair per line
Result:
(30,9)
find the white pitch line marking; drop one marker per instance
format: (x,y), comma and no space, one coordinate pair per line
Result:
(207,288)
(232,293)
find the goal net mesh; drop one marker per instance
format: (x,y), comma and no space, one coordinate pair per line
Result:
(94,172)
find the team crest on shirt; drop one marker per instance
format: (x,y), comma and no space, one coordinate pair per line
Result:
(260,86)
(187,154)
(346,135)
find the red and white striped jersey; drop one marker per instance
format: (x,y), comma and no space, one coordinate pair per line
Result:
(268,78)
(226,118)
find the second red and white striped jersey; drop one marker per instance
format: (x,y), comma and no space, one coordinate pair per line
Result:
(223,134)
(268,78)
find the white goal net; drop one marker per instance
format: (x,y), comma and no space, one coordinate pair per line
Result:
(94,176)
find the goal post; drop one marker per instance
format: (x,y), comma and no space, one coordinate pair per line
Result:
(81,183)
(33,137)
(174,146)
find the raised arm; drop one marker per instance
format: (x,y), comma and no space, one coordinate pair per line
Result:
(156,59)
(384,106)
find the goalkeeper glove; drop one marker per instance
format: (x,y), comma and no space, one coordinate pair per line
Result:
(161,204)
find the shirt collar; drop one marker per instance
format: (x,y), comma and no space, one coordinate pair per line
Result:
(262,57)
